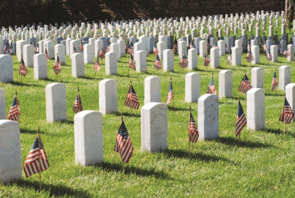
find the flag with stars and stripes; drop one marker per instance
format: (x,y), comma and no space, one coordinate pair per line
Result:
(268,55)
(36,161)
(212,88)
(274,83)
(78,104)
(155,50)
(206,60)
(57,67)
(245,84)
(131,100)
(286,53)
(22,68)
(130,49)
(170,93)
(123,144)
(287,113)
(81,46)
(101,54)
(108,48)
(192,45)
(97,65)
(47,56)
(131,62)
(228,57)
(158,64)
(241,120)
(249,56)
(14,111)
(183,62)
(193,130)
(174,46)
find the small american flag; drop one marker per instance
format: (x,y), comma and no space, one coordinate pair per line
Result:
(264,47)
(130,50)
(57,67)
(206,60)
(193,130)
(183,62)
(155,50)
(245,84)
(36,161)
(158,64)
(123,144)
(274,83)
(192,45)
(228,58)
(287,113)
(101,54)
(131,62)
(268,56)
(22,68)
(131,100)
(81,46)
(97,65)
(47,56)
(212,88)
(78,104)
(286,53)
(14,111)
(241,120)
(108,48)
(249,56)
(174,46)
(170,93)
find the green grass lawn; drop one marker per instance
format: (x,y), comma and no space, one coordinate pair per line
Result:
(262,164)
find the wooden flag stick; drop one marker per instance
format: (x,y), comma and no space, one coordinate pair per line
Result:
(39,159)
(78,89)
(123,137)
(189,131)
(173,93)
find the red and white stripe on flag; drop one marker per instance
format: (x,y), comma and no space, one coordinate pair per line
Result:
(36,162)
(124,147)
(240,124)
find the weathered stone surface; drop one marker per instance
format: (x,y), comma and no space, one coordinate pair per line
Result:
(192,87)
(285,76)
(88,138)
(40,66)
(154,127)
(225,84)
(255,109)
(56,102)
(290,95)
(78,68)
(108,99)
(168,60)
(257,77)
(208,117)
(6,68)
(152,89)
(110,63)
(2,104)
(10,151)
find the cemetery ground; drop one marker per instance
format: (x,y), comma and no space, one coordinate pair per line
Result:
(262,164)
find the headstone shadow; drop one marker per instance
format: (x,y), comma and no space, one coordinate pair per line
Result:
(177,109)
(193,155)
(24,84)
(129,169)
(54,190)
(231,141)
(30,131)
(279,131)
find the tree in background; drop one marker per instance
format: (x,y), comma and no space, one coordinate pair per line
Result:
(289,12)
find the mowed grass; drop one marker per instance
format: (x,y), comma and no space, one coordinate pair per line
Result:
(262,164)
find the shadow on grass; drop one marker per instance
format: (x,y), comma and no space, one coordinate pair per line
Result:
(106,166)
(54,190)
(279,131)
(91,78)
(24,84)
(177,109)
(128,114)
(244,143)
(130,75)
(30,131)
(67,121)
(275,94)
(199,156)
